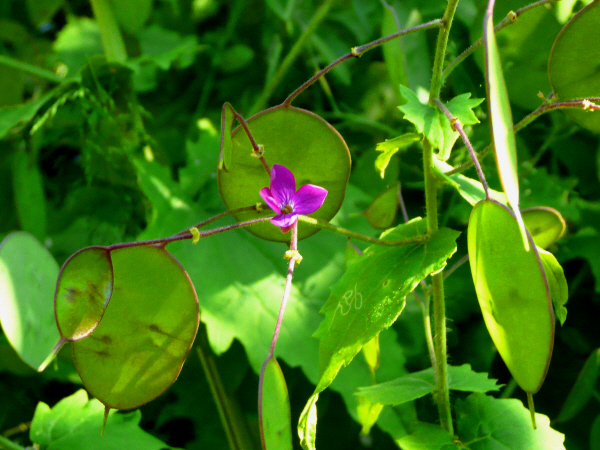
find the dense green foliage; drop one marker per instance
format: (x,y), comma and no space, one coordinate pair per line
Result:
(110,119)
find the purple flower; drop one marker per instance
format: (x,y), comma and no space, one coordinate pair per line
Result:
(283,198)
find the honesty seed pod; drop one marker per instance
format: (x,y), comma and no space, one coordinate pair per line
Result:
(513,293)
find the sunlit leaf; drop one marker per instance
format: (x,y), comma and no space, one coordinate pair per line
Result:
(276,431)
(418,384)
(488,423)
(573,65)
(427,436)
(75,423)
(368,413)
(307,425)
(390,147)
(434,124)
(27,280)
(299,140)
(501,122)
(131,14)
(137,350)
(371,294)
(513,293)
(583,389)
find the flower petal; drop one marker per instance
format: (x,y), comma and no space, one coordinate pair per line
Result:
(265,193)
(308,199)
(283,184)
(285,220)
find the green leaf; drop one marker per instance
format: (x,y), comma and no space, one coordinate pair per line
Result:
(584,244)
(488,423)
(235,58)
(390,147)
(227,122)
(368,413)
(76,42)
(468,188)
(276,420)
(595,434)
(42,11)
(137,350)
(559,290)
(11,116)
(434,124)
(30,198)
(371,294)
(283,131)
(28,275)
(513,293)
(382,211)
(427,436)
(415,385)
(75,423)
(583,390)
(132,14)
(307,424)
(546,225)
(501,122)
(84,288)
(372,352)
(573,66)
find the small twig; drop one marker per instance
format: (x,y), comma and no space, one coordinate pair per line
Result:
(258,151)
(585,104)
(220,216)
(510,18)
(456,265)
(361,237)
(30,69)
(181,237)
(402,205)
(357,52)
(457,126)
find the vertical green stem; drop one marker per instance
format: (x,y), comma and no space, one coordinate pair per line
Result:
(440,52)
(439,307)
(431,193)
(112,41)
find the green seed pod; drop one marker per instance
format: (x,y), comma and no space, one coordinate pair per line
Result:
(513,293)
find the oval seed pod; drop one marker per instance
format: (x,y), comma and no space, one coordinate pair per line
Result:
(513,293)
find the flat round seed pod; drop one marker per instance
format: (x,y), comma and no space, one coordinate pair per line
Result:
(83,290)
(573,66)
(297,139)
(148,328)
(513,293)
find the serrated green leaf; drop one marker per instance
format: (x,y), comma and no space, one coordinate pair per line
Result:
(371,294)
(434,124)
(486,423)
(427,436)
(276,431)
(559,290)
(583,389)
(390,147)
(415,385)
(75,423)
(28,274)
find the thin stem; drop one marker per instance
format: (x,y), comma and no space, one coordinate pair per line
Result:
(258,151)
(510,18)
(220,216)
(456,125)
(357,52)
(456,265)
(284,300)
(439,306)
(425,306)
(402,205)
(543,109)
(283,69)
(30,69)
(440,49)
(181,237)
(361,237)
(7,444)
(110,34)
